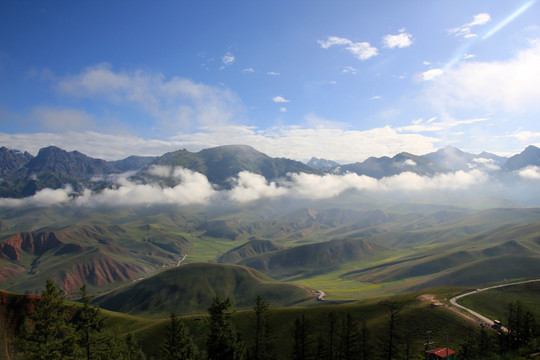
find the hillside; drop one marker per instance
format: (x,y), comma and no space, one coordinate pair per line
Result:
(311,259)
(100,256)
(190,288)
(249,249)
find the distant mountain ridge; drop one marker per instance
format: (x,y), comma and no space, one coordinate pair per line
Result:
(24,175)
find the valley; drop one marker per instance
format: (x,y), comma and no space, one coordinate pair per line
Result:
(353,249)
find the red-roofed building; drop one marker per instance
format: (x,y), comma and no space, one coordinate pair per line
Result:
(440,353)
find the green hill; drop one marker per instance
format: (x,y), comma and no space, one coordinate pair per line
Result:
(249,249)
(190,289)
(311,259)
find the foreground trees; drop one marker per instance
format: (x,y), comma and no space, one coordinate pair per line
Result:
(55,330)
(223,341)
(178,343)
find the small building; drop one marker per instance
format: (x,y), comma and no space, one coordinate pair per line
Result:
(441,353)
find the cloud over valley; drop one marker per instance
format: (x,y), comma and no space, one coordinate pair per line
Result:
(182,187)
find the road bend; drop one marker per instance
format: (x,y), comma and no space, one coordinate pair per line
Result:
(481,317)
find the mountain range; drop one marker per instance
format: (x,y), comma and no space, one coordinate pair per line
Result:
(23,174)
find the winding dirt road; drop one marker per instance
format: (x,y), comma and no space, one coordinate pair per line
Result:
(476,315)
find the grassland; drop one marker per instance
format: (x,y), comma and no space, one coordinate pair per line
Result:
(494,303)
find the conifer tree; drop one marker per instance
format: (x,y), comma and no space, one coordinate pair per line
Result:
(48,333)
(262,344)
(302,346)
(88,324)
(223,341)
(178,344)
(350,339)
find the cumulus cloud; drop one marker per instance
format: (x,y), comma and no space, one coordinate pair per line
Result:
(195,189)
(280,99)
(43,198)
(401,40)
(530,173)
(510,86)
(249,187)
(431,74)
(466,30)
(360,50)
(174,102)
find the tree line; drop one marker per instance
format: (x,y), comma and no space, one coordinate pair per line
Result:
(56,330)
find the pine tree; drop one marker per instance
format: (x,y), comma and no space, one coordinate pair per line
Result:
(262,345)
(350,339)
(394,309)
(48,333)
(302,339)
(88,324)
(365,342)
(179,344)
(223,341)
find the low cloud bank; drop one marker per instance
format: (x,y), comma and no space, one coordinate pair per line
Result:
(194,188)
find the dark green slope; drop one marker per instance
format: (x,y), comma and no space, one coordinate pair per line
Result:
(249,249)
(313,259)
(190,289)
(507,252)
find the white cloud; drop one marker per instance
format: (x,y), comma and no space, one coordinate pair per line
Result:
(466,30)
(434,126)
(282,109)
(484,163)
(248,70)
(360,50)
(248,187)
(321,138)
(530,173)
(410,162)
(350,70)
(431,74)
(174,103)
(98,145)
(499,86)
(43,198)
(272,73)
(280,99)
(401,40)
(194,189)
(228,59)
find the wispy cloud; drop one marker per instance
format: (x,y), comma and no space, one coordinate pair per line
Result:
(248,70)
(360,50)
(350,70)
(431,125)
(228,59)
(174,102)
(401,40)
(272,73)
(466,30)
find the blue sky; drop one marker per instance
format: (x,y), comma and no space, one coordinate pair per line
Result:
(343,80)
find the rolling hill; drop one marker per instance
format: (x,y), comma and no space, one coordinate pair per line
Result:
(190,289)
